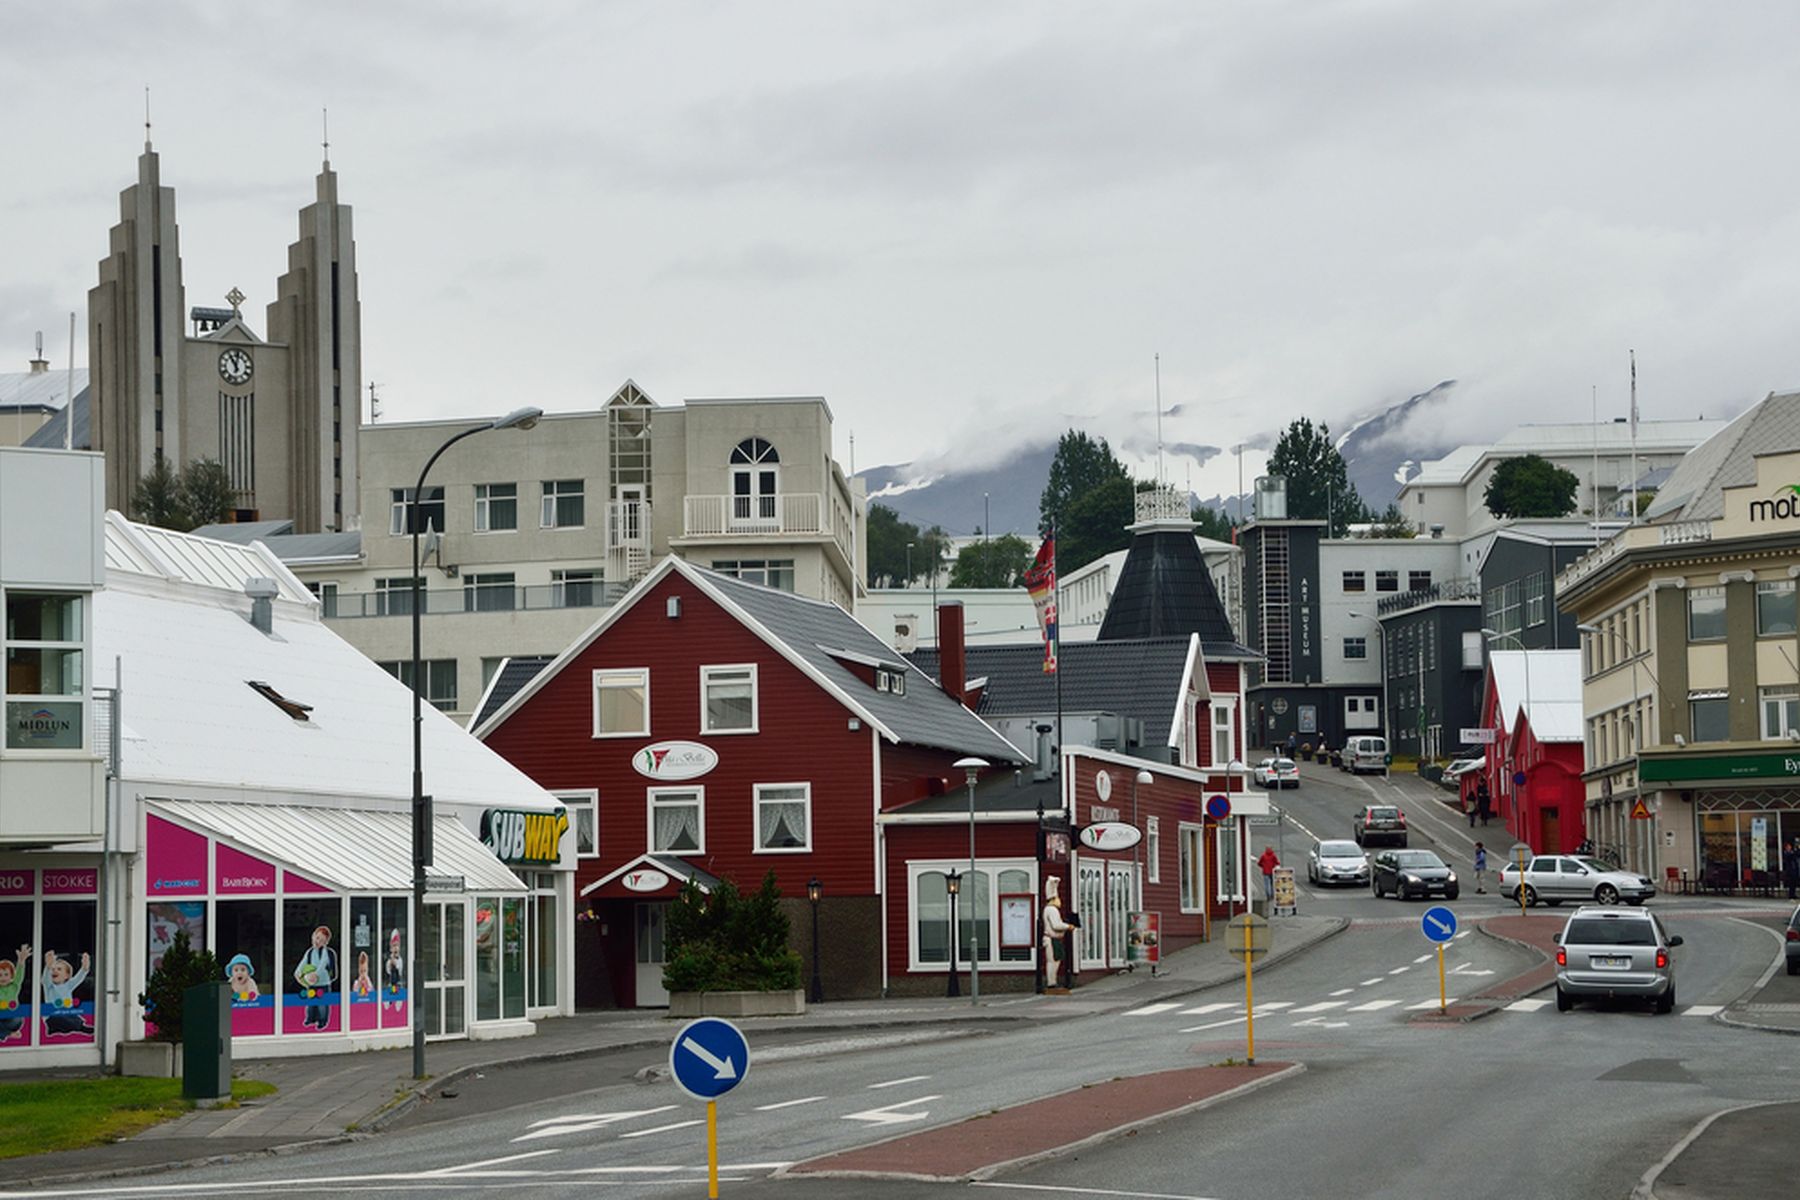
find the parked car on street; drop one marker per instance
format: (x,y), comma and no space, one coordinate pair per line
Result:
(1553,878)
(1793,943)
(1378,824)
(1366,754)
(1409,873)
(1276,773)
(1612,952)
(1337,862)
(1457,768)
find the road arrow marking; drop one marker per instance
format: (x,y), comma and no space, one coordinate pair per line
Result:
(1208,1009)
(1322,1006)
(582,1122)
(887,1115)
(638,1133)
(1466,969)
(1150,1010)
(721,1065)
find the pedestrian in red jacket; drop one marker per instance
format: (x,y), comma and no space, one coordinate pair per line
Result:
(1268,862)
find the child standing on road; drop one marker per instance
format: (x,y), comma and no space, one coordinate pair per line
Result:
(1480,867)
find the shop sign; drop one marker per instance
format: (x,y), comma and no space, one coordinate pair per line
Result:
(674,760)
(71,881)
(237,873)
(1742,766)
(1109,836)
(18,883)
(1097,812)
(446,883)
(647,880)
(525,838)
(43,725)
(1783,506)
(1143,937)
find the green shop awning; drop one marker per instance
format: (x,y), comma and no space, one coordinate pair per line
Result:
(1694,768)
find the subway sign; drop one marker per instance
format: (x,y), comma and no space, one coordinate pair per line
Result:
(527,839)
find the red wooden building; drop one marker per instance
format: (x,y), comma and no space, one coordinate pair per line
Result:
(1532,702)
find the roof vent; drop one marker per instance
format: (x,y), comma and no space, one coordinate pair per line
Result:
(262,592)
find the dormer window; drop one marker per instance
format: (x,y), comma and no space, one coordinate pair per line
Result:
(888,679)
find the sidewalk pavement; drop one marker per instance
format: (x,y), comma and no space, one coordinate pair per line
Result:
(331,1097)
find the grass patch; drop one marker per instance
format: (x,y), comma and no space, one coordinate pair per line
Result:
(69,1114)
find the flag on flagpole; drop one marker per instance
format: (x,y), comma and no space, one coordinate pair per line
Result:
(1040,582)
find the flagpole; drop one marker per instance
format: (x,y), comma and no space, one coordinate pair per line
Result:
(1056,599)
(1634,421)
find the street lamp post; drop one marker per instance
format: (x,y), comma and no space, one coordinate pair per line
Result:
(519,418)
(815,890)
(972,768)
(909,574)
(952,884)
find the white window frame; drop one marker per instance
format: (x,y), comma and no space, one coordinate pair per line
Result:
(484,508)
(576,800)
(82,647)
(1228,831)
(992,868)
(1774,587)
(1152,852)
(1216,706)
(550,492)
(651,797)
(1788,697)
(400,500)
(757,790)
(603,678)
(1361,645)
(1190,862)
(706,674)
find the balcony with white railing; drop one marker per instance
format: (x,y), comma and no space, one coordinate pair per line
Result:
(783,514)
(1633,537)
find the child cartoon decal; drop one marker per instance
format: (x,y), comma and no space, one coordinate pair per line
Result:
(314,973)
(60,982)
(12,978)
(363,985)
(241,974)
(395,970)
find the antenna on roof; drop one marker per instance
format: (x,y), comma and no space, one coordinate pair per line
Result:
(374,404)
(325,128)
(146,118)
(69,406)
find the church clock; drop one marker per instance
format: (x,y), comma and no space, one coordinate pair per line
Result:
(235,367)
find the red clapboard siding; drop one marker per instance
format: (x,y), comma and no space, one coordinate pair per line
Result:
(1171,801)
(916,843)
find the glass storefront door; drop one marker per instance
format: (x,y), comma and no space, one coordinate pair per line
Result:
(443,999)
(1090,902)
(650,920)
(1119,902)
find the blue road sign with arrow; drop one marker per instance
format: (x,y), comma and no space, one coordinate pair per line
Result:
(1439,923)
(709,1057)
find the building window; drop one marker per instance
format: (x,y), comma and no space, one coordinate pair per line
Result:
(622,703)
(584,819)
(1502,608)
(1230,881)
(783,817)
(677,820)
(728,699)
(1775,609)
(440,680)
(565,504)
(755,482)
(496,507)
(1222,740)
(45,680)
(490,667)
(1387,581)
(1153,849)
(1000,895)
(1709,716)
(493,592)
(1356,647)
(1189,858)
(327,595)
(431,510)
(1706,614)
(1353,581)
(777,573)
(1418,581)
(394,597)
(575,587)
(1534,599)
(1780,711)
(890,679)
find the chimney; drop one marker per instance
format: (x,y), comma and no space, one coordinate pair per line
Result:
(262,593)
(953,658)
(40,365)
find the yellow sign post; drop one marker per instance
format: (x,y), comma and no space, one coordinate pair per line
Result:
(1247,937)
(1519,853)
(1443,994)
(712,1149)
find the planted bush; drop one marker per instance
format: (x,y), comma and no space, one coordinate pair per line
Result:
(726,941)
(182,967)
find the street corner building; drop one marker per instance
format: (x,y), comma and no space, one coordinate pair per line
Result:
(189,750)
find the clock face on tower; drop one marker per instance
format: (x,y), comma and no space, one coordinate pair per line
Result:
(235,367)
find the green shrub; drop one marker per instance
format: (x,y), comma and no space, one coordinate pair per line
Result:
(729,942)
(182,967)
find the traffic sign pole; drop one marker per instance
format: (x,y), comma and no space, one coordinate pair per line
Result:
(712,1150)
(1520,853)
(1443,996)
(1249,1001)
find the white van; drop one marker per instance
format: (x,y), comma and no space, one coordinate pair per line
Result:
(1366,754)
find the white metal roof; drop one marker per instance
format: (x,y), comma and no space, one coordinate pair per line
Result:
(1561,440)
(1554,705)
(39,389)
(187,558)
(352,850)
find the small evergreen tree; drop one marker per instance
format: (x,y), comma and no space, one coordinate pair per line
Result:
(1318,482)
(1082,463)
(158,500)
(1531,486)
(181,968)
(729,942)
(207,496)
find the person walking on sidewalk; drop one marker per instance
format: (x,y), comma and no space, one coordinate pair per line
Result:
(1268,862)
(1484,804)
(1480,867)
(1790,866)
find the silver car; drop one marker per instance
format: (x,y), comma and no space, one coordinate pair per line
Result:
(1615,952)
(1337,862)
(1553,878)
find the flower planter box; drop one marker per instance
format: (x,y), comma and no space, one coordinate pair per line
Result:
(738,1004)
(150,1060)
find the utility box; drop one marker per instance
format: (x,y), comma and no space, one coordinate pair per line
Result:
(206,1042)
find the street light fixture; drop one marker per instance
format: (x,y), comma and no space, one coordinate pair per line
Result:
(519,418)
(952,884)
(814,891)
(1137,864)
(972,769)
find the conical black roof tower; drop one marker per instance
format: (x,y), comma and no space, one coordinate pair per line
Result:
(1165,589)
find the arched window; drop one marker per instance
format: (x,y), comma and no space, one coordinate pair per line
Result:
(755,485)
(754,450)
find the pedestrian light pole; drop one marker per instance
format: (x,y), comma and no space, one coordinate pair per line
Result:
(972,769)
(814,892)
(519,418)
(952,885)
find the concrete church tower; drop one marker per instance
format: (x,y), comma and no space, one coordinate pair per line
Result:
(281,414)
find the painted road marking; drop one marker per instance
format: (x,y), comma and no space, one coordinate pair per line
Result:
(1371,982)
(1422,958)
(1086,1191)
(788,1103)
(1399,970)
(898,1082)
(1214,1025)
(887,1115)
(638,1133)
(1322,1023)
(1465,933)
(1432,1003)
(1150,1010)
(1343,991)
(490,1162)
(1527,1005)
(583,1122)
(1273,1006)
(1702,1010)
(1322,1006)
(1375,1006)
(1208,1009)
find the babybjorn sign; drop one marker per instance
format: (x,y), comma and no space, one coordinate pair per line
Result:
(525,838)
(674,760)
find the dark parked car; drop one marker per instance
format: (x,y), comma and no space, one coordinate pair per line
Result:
(1379,824)
(1409,873)
(1793,943)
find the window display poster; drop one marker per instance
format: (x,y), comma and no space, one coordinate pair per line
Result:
(166,918)
(66,973)
(312,979)
(363,965)
(16,983)
(394,952)
(1143,939)
(245,946)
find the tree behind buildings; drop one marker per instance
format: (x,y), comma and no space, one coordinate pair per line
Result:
(992,563)
(1531,486)
(1318,483)
(199,495)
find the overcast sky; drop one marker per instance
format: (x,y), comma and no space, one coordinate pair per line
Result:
(963,223)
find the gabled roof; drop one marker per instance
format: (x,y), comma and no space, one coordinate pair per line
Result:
(1694,491)
(515,672)
(43,391)
(1554,708)
(806,632)
(49,435)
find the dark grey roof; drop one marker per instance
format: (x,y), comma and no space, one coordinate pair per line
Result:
(812,629)
(999,793)
(1133,679)
(49,435)
(303,547)
(1694,491)
(1165,590)
(514,673)
(243,532)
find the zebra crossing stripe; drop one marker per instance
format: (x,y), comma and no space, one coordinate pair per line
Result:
(1150,1010)
(1527,1005)
(1206,1009)
(1702,1010)
(1322,1006)
(1374,1006)
(1425,1004)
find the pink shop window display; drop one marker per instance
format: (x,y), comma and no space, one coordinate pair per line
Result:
(47,925)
